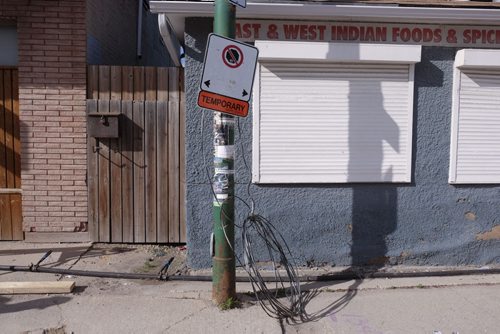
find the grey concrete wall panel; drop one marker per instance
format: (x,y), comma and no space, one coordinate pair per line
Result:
(426,222)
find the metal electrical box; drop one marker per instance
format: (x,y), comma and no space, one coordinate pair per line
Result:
(103,125)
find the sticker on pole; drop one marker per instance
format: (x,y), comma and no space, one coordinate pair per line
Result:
(228,74)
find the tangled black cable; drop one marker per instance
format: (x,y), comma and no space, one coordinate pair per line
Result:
(289,286)
(258,233)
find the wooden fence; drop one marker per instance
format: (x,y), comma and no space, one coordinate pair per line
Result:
(136,181)
(10,157)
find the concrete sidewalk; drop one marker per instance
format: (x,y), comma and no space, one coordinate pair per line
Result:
(460,304)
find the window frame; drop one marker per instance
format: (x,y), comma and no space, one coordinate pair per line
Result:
(284,51)
(467,59)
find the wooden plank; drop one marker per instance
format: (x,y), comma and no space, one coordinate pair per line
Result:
(182,160)
(116,83)
(9,129)
(173,84)
(173,171)
(16,216)
(127,145)
(139,83)
(162,83)
(104,83)
(11,191)
(93,82)
(151,177)
(16,199)
(150,83)
(127,83)
(162,170)
(3,157)
(173,161)
(104,182)
(10,288)
(139,178)
(92,179)
(17,130)
(115,181)
(5,218)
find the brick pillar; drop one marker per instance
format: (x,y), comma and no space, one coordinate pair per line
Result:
(52,89)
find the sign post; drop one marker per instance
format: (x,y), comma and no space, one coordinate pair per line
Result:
(223,261)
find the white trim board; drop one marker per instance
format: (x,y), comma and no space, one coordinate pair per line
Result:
(477,58)
(338,52)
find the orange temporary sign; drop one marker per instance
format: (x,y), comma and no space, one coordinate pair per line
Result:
(223,104)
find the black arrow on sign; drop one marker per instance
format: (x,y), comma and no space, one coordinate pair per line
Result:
(207,83)
(244,93)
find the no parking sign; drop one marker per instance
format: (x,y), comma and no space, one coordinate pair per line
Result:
(228,73)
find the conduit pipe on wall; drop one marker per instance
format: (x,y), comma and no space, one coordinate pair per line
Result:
(139,28)
(169,38)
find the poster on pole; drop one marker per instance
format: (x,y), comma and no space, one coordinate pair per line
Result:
(228,74)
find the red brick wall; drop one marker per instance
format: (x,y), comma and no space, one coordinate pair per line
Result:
(52,88)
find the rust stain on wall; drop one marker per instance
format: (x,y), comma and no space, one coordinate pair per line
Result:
(404,254)
(493,234)
(471,216)
(381,260)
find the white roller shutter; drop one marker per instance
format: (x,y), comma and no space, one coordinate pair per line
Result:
(475,151)
(331,121)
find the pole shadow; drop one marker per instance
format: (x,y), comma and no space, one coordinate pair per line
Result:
(38,304)
(374,206)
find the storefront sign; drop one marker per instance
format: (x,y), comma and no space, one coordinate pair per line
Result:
(423,34)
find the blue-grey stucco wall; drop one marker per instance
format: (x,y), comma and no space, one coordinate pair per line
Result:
(427,222)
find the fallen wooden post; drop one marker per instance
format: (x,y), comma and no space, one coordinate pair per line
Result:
(10,288)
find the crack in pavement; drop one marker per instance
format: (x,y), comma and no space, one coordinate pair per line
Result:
(60,322)
(478,307)
(186,317)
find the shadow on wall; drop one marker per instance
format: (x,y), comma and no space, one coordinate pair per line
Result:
(374,206)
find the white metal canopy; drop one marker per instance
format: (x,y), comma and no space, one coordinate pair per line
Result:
(177,11)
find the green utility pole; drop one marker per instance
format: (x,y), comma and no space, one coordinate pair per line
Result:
(223,262)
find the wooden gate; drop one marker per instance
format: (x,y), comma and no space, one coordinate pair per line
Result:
(136,181)
(10,157)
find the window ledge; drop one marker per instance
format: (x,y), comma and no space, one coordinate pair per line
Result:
(477,58)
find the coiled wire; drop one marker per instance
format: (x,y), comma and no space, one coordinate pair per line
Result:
(257,227)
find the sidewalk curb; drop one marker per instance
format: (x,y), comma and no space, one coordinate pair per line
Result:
(202,290)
